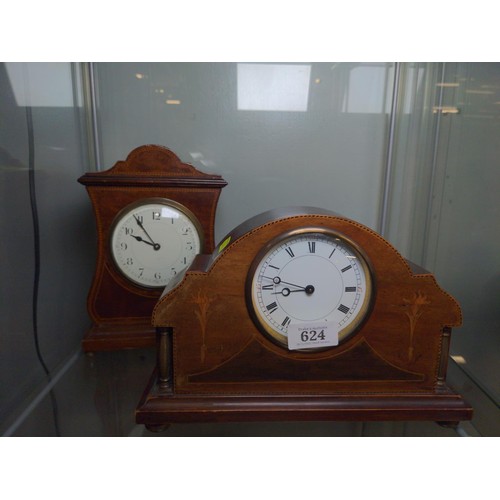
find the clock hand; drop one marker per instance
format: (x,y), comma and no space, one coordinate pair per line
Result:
(277,280)
(138,238)
(156,246)
(286,291)
(309,289)
(293,284)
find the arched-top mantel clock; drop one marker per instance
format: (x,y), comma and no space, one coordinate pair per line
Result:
(153,215)
(301,314)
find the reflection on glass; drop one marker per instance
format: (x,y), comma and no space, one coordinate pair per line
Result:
(41,84)
(464,223)
(273,87)
(168,213)
(367,90)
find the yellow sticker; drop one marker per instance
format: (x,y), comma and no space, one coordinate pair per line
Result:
(224,244)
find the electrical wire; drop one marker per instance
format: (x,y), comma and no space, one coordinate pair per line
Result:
(36,279)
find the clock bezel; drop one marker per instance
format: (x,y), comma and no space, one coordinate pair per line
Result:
(363,260)
(139,203)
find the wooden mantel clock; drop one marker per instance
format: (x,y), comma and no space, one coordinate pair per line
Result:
(153,215)
(300,314)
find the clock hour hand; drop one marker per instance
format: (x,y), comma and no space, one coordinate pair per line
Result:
(309,289)
(138,238)
(156,246)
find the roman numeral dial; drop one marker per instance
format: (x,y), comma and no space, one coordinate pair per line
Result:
(311,276)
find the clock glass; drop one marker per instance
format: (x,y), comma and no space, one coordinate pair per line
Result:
(310,278)
(154,240)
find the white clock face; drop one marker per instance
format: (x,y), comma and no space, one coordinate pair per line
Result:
(311,276)
(154,240)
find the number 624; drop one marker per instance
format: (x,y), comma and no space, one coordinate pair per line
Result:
(311,335)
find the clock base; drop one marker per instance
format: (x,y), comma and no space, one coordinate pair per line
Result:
(161,407)
(116,337)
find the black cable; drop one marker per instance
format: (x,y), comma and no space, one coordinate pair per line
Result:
(36,237)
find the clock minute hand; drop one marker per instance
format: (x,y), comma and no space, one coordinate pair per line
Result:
(156,246)
(293,284)
(309,289)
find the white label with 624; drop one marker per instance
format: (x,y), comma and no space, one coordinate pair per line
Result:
(309,336)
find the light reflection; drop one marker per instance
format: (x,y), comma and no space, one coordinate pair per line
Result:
(480,92)
(273,87)
(204,161)
(168,213)
(446,110)
(460,360)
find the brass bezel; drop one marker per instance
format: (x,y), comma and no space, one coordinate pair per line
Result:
(139,203)
(274,335)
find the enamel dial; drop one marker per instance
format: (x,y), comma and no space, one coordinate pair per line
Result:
(309,276)
(153,241)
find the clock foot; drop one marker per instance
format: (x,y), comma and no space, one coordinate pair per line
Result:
(450,424)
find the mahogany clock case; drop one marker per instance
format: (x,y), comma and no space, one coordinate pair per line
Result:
(120,309)
(215,364)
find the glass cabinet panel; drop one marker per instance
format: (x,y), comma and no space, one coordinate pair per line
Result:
(280,134)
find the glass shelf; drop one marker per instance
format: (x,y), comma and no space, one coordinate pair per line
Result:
(98,393)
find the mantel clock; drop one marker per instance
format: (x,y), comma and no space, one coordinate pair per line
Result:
(301,314)
(153,215)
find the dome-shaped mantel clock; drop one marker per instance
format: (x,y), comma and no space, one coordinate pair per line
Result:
(300,314)
(153,214)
